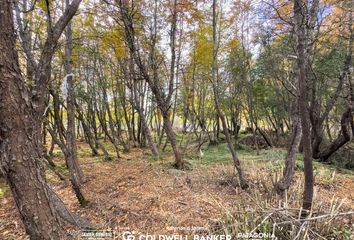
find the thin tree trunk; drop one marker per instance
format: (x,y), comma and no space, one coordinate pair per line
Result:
(75,172)
(154,82)
(290,159)
(243,181)
(146,129)
(300,8)
(90,135)
(342,138)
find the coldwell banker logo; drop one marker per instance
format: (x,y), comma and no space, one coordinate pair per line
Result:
(128,235)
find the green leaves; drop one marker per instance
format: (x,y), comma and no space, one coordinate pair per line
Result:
(44,3)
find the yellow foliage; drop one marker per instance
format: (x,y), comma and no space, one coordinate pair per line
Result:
(113,39)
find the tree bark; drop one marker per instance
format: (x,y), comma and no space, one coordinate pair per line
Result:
(20,153)
(342,138)
(300,8)
(75,172)
(290,159)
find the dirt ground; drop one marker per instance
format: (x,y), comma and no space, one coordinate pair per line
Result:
(149,196)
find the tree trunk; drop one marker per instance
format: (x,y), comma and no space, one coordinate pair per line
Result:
(265,137)
(346,119)
(75,172)
(153,81)
(290,160)
(20,154)
(172,138)
(343,136)
(300,7)
(145,127)
(243,181)
(111,137)
(91,138)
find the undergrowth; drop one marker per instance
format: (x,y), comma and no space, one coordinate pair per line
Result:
(261,211)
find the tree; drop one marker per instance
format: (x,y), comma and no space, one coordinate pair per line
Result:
(163,102)
(76,175)
(243,181)
(302,31)
(20,138)
(290,159)
(20,162)
(145,128)
(343,77)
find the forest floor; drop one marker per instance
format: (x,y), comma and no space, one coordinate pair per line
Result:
(140,193)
